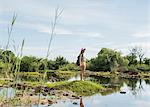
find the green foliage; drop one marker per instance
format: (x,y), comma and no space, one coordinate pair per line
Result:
(107,60)
(60,75)
(84,88)
(60,61)
(7,56)
(147,61)
(2,65)
(52,65)
(57,63)
(132,59)
(69,67)
(2,82)
(143,67)
(30,76)
(132,68)
(29,64)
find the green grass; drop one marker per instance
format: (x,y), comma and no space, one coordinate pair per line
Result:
(3,82)
(67,73)
(83,88)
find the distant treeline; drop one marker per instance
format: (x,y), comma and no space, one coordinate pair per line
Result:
(106,60)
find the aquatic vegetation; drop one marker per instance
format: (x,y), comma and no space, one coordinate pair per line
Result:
(83,88)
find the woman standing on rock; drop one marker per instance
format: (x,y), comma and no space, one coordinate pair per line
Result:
(82,63)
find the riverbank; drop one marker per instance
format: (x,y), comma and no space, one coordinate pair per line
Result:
(126,74)
(49,93)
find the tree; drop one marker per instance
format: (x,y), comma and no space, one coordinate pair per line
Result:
(60,61)
(135,52)
(7,56)
(52,65)
(29,64)
(132,59)
(107,60)
(140,54)
(147,61)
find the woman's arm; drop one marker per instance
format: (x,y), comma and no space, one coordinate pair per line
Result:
(80,58)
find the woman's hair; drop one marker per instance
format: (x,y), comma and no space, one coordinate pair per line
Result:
(82,50)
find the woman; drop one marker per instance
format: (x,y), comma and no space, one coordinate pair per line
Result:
(82,63)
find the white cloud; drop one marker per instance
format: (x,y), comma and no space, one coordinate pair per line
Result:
(65,32)
(142,34)
(47,30)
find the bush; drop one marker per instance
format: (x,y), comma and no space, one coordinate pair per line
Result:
(30,76)
(107,60)
(132,68)
(69,67)
(143,67)
(122,69)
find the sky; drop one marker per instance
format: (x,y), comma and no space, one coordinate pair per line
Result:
(90,24)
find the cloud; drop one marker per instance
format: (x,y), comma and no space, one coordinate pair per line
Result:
(142,34)
(60,31)
(66,32)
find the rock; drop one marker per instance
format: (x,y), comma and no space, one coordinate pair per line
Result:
(65,94)
(146,76)
(38,89)
(51,89)
(44,101)
(46,89)
(19,94)
(44,94)
(31,94)
(53,93)
(74,96)
(75,103)
(50,102)
(122,92)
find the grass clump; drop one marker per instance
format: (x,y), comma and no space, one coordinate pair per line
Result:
(83,88)
(3,82)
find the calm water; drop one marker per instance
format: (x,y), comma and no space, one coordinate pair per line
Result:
(137,94)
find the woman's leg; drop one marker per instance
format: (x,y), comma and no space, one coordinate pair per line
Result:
(84,68)
(81,72)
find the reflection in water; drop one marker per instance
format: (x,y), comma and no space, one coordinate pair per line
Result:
(76,77)
(6,93)
(81,102)
(147,82)
(107,99)
(115,84)
(136,86)
(137,94)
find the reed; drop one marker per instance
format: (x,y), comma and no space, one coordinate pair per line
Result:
(57,13)
(10,29)
(9,65)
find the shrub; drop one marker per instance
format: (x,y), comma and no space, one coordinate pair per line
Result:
(132,68)
(143,67)
(69,67)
